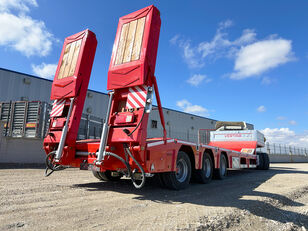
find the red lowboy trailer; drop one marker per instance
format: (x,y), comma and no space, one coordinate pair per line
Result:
(124,148)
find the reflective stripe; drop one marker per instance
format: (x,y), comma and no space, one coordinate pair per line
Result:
(136,97)
(155,143)
(185,142)
(57,108)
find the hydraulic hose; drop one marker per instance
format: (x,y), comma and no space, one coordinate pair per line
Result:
(122,160)
(50,166)
(127,131)
(138,186)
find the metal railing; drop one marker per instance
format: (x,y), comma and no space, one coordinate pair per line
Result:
(272,148)
(90,127)
(204,136)
(282,149)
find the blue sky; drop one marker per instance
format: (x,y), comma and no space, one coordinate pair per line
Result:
(227,60)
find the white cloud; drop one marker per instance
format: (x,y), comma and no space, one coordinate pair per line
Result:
(20,5)
(197,79)
(188,107)
(256,58)
(21,32)
(252,57)
(248,36)
(225,24)
(219,46)
(190,55)
(261,108)
(174,39)
(292,122)
(44,70)
(222,46)
(285,136)
(281,118)
(267,81)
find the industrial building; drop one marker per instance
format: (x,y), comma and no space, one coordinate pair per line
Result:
(16,86)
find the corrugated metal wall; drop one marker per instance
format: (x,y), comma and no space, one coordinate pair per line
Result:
(16,86)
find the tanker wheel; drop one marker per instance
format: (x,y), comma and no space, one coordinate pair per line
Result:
(266,162)
(263,161)
(181,177)
(221,173)
(205,174)
(106,176)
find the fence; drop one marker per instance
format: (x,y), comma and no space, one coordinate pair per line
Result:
(23,118)
(282,149)
(30,119)
(270,148)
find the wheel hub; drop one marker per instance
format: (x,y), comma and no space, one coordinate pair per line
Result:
(182,170)
(208,168)
(223,167)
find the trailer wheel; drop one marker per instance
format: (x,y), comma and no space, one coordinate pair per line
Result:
(221,173)
(205,174)
(106,176)
(181,178)
(161,180)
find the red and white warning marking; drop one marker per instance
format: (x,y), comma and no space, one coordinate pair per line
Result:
(57,108)
(136,97)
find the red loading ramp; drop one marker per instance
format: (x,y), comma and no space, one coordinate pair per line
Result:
(135,49)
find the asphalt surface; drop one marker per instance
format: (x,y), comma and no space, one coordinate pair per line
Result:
(276,199)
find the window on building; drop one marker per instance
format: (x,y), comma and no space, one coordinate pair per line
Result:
(154,124)
(90,95)
(27,81)
(89,110)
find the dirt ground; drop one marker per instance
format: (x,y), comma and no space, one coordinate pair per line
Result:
(276,199)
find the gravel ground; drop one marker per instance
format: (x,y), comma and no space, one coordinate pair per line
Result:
(276,199)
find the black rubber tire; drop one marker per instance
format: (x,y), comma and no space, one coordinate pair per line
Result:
(264,161)
(261,160)
(105,176)
(171,178)
(161,180)
(205,174)
(221,172)
(267,162)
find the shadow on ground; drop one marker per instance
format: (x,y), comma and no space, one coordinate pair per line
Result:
(226,193)
(21,166)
